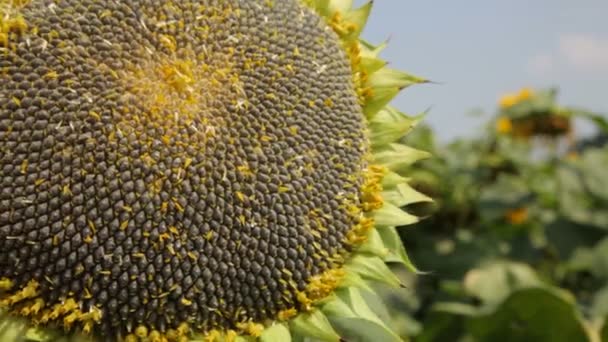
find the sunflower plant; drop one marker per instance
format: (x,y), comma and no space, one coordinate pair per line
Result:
(198,170)
(515,241)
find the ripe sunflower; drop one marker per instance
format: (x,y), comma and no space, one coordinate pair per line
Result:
(197,170)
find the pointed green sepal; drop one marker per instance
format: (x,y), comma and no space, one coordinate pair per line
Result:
(372,64)
(391,114)
(245,339)
(372,268)
(320,6)
(371,51)
(392,179)
(379,99)
(358,17)
(397,252)
(392,78)
(15,329)
(351,315)
(403,194)
(374,245)
(376,303)
(385,84)
(353,279)
(388,126)
(276,332)
(40,335)
(314,324)
(11,329)
(397,157)
(391,215)
(358,329)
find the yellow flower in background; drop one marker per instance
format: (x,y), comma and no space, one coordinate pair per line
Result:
(511,99)
(572,156)
(525,94)
(517,216)
(507,101)
(504,125)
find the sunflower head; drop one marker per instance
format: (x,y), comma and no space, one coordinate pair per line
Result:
(177,170)
(530,113)
(510,100)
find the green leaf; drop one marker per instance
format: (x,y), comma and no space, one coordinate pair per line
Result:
(604,331)
(600,120)
(592,168)
(593,260)
(457,309)
(492,283)
(442,326)
(581,192)
(533,314)
(599,307)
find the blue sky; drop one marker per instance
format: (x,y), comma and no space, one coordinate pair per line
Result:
(479,49)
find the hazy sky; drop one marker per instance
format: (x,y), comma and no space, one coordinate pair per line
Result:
(480,49)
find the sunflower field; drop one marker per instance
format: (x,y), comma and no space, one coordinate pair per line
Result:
(515,247)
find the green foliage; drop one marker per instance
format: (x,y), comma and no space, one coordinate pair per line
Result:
(516,243)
